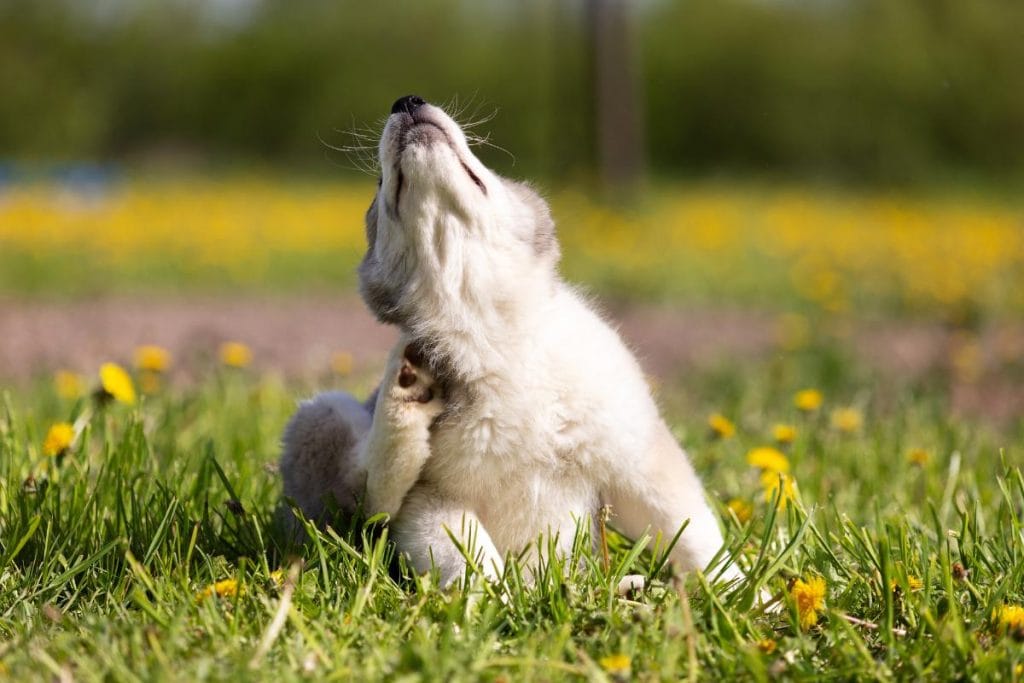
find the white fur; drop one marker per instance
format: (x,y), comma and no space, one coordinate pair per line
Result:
(547,415)
(398,443)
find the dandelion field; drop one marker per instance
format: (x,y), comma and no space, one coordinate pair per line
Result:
(958,254)
(137,534)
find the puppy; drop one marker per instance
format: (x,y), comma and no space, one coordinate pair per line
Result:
(509,410)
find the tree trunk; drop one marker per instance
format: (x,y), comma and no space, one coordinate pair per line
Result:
(616,92)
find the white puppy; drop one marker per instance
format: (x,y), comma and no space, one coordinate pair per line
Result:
(540,415)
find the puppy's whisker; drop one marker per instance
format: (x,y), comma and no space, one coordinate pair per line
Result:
(361,158)
(476,120)
(360,148)
(454,108)
(457,112)
(485,141)
(368,137)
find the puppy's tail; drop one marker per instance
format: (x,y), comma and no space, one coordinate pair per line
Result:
(320,462)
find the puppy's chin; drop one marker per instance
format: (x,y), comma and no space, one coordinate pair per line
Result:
(432,171)
(425,135)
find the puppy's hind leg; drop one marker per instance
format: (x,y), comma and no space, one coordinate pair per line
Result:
(319,463)
(658,496)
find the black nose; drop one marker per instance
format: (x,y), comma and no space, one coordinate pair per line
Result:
(408,104)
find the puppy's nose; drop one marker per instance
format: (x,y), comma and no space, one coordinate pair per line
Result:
(407,104)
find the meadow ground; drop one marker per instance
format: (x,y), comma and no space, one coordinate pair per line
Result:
(884,512)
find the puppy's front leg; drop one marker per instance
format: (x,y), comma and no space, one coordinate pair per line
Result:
(399,440)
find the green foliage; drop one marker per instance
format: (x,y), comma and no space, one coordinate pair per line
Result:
(859,89)
(862,90)
(106,552)
(280,85)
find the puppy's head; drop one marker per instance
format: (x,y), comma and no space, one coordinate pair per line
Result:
(444,225)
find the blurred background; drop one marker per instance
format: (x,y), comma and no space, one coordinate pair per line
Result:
(756,174)
(864,91)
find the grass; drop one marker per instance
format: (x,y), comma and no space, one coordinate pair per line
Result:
(111,553)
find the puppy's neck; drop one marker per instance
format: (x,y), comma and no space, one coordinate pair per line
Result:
(480,334)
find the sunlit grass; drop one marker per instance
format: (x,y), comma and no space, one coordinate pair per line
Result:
(144,547)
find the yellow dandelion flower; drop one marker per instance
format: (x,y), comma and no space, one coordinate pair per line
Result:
(116,383)
(152,358)
(741,508)
(783,433)
(918,456)
(278,576)
(770,482)
(847,420)
(913,584)
(235,354)
(226,588)
(342,363)
(1009,618)
(809,597)
(768,458)
(616,664)
(767,646)
(68,384)
(808,400)
(58,438)
(721,426)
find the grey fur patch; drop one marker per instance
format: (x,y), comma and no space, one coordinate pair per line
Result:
(370,404)
(378,294)
(371,221)
(319,464)
(380,297)
(545,240)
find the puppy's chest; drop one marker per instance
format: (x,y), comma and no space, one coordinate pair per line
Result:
(486,435)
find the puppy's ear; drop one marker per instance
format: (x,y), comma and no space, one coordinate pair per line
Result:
(544,239)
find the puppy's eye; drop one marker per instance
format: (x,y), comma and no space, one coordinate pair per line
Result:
(474,178)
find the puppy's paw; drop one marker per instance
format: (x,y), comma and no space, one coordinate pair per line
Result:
(414,387)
